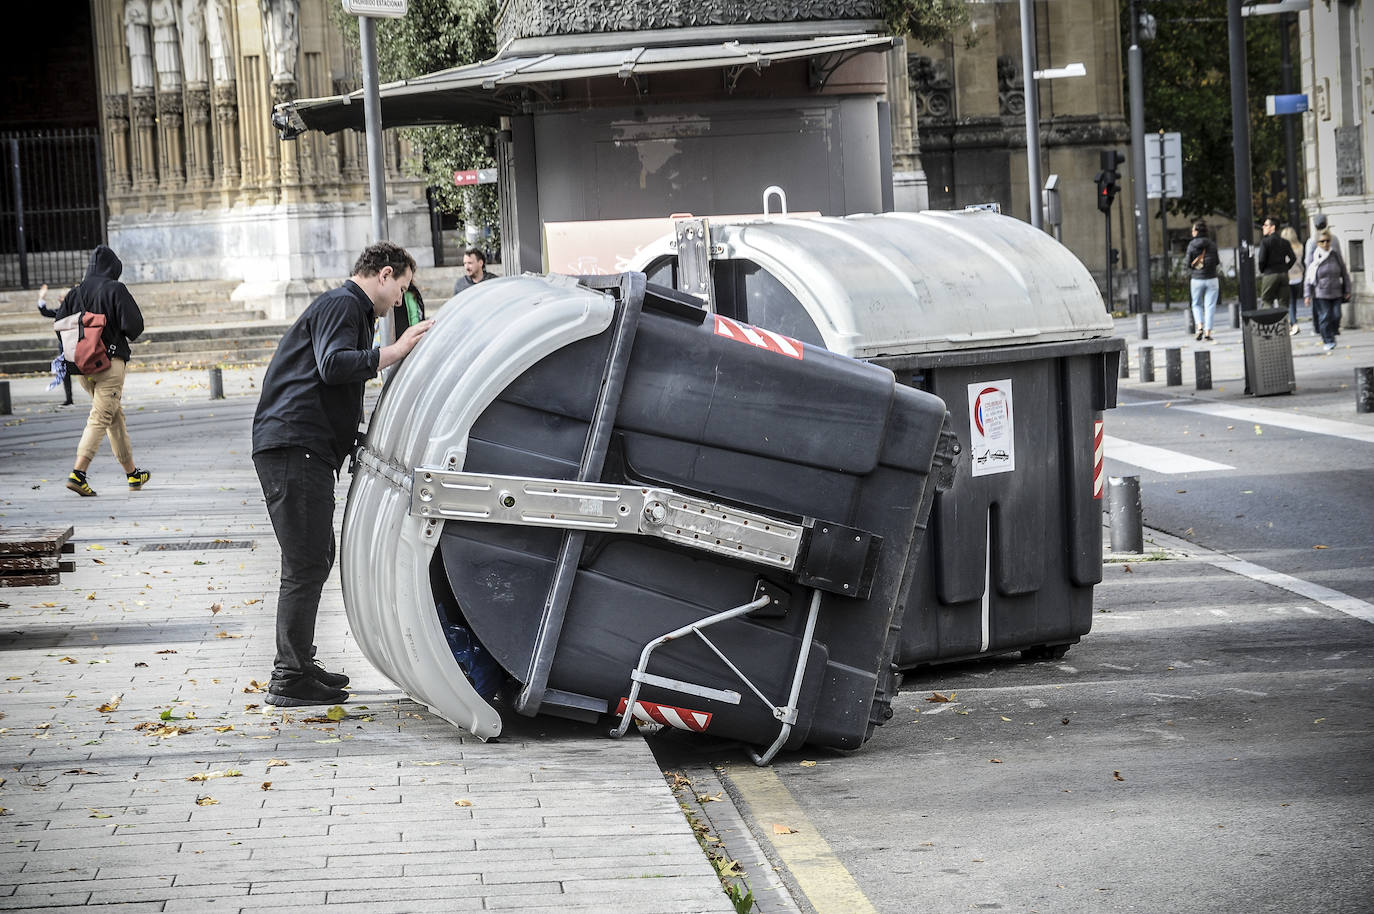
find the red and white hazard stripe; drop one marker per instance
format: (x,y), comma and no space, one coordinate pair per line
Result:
(649,712)
(1099,451)
(757,336)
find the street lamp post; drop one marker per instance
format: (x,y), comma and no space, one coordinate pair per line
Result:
(1138,196)
(1032,98)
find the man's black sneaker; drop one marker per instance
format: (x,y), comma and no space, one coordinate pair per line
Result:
(302,691)
(138,477)
(324,677)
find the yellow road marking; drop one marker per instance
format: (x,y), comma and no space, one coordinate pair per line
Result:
(828,886)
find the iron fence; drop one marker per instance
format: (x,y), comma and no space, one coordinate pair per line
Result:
(51,206)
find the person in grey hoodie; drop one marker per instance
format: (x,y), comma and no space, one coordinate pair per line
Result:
(1328,284)
(101,292)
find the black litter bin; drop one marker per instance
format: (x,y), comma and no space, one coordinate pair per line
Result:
(640,510)
(1268,352)
(1008,328)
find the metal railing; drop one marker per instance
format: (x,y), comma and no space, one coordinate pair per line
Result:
(51,205)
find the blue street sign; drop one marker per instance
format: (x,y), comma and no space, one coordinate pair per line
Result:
(1285,104)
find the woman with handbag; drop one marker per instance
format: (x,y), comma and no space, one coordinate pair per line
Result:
(59,367)
(101,293)
(1328,284)
(1203,258)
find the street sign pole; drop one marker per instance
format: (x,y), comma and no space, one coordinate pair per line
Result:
(372,115)
(1031,93)
(1240,131)
(1290,130)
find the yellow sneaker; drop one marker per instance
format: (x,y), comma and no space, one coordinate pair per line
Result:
(78,484)
(137,478)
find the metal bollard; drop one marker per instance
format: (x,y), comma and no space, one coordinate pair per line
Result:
(1124,368)
(216,384)
(1364,390)
(1235,314)
(1202,369)
(1128,535)
(1143,323)
(5,406)
(1173,367)
(1145,358)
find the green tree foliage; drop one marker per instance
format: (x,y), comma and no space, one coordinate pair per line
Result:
(436,35)
(927,21)
(1188,91)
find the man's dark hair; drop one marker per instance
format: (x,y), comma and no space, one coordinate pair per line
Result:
(1201,228)
(383,254)
(477,252)
(1270,220)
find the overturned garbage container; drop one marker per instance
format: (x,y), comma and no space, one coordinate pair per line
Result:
(1008,328)
(1268,352)
(592,492)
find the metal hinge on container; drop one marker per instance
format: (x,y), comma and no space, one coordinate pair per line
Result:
(824,555)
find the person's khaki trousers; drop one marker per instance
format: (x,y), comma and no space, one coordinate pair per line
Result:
(107,414)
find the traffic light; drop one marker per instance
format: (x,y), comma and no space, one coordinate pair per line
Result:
(1107,179)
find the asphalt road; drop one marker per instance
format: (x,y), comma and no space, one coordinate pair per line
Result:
(1289,499)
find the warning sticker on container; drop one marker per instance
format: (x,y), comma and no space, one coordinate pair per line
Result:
(649,712)
(757,336)
(992,442)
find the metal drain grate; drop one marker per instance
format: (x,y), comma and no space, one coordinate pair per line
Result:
(196,546)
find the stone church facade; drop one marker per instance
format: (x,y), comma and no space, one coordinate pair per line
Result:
(198,185)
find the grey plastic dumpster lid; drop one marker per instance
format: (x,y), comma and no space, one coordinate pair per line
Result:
(902,283)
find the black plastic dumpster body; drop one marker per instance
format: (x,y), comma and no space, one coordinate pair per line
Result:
(656,414)
(992,316)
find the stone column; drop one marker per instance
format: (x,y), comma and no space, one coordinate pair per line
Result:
(198,163)
(909,190)
(227,146)
(170,159)
(350,140)
(290,150)
(117,142)
(143,113)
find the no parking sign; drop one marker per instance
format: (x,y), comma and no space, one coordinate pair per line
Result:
(992,443)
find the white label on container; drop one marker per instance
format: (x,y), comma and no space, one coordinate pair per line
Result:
(992,441)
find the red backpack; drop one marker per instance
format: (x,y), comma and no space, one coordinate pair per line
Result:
(83,342)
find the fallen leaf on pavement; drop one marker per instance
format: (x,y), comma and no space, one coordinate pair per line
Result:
(266,785)
(936,696)
(276,763)
(97,814)
(66,660)
(168,651)
(224,634)
(110,705)
(808,764)
(1319,546)
(206,801)
(783,830)
(336,713)
(1128,569)
(462,802)
(254,686)
(215,607)
(995,761)
(1116,776)
(225,729)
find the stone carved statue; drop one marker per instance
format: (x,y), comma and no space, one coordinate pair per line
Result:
(219,34)
(166,53)
(192,21)
(281,35)
(140,46)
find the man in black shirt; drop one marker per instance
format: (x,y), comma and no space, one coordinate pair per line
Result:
(305,425)
(1275,258)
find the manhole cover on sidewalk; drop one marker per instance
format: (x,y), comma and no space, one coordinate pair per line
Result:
(198,545)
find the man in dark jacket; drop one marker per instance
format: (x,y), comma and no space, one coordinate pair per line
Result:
(305,426)
(101,292)
(1276,257)
(474,270)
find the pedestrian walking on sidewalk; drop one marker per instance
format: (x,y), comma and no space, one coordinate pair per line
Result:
(59,364)
(1275,258)
(101,292)
(305,426)
(1202,257)
(1295,275)
(1328,284)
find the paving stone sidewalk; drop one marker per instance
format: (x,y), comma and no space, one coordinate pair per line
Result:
(136,674)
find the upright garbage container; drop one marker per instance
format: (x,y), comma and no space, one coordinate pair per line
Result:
(638,509)
(1268,352)
(1007,326)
